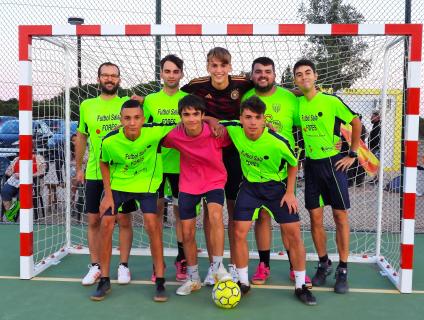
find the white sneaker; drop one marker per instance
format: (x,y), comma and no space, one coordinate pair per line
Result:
(92,275)
(221,274)
(189,286)
(124,275)
(209,280)
(233,271)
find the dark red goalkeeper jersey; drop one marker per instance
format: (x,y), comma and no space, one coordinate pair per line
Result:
(221,104)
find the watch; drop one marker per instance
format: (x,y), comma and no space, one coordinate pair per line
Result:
(352,154)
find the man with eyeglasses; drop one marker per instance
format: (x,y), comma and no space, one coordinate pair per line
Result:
(99,116)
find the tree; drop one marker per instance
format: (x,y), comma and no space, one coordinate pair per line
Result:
(340,60)
(287,78)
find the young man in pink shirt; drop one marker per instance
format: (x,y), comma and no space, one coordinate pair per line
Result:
(202,175)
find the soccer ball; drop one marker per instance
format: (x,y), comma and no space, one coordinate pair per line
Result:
(226,294)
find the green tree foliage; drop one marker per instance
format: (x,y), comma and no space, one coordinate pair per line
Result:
(287,78)
(340,60)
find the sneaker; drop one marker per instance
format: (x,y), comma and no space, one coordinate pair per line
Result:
(233,271)
(323,270)
(92,275)
(341,285)
(181,270)
(160,294)
(305,296)
(244,288)
(308,282)
(124,275)
(209,280)
(221,274)
(189,286)
(103,288)
(262,273)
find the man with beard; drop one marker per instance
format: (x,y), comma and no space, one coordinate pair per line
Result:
(99,116)
(282,113)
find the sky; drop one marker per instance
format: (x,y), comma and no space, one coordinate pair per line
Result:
(13,13)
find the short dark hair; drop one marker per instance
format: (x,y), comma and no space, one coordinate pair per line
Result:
(191,101)
(109,64)
(304,62)
(265,61)
(131,104)
(174,59)
(253,104)
(222,54)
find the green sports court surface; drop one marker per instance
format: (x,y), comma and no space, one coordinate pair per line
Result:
(58,294)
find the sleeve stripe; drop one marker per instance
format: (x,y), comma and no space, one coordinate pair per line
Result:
(110,134)
(281,138)
(340,99)
(231,124)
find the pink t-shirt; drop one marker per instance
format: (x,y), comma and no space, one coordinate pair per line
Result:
(201,165)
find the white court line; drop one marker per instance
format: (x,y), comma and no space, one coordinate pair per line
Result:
(268,287)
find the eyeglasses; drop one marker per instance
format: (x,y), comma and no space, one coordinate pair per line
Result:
(105,76)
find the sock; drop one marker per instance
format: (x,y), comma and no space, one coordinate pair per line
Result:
(216,261)
(299,277)
(264,257)
(193,272)
(243,275)
(125,264)
(160,282)
(288,256)
(95,264)
(104,279)
(181,255)
(342,264)
(323,259)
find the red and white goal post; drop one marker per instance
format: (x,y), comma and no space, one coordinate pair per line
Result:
(382,222)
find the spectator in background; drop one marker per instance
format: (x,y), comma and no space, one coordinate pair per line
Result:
(374,138)
(11,187)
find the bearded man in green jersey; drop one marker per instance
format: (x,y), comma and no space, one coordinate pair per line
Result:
(132,171)
(99,116)
(269,176)
(281,114)
(320,117)
(162,107)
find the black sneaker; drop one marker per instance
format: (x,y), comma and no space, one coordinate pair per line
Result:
(341,285)
(305,296)
(103,288)
(323,270)
(243,288)
(160,295)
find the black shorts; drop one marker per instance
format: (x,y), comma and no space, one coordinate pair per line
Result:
(254,196)
(147,201)
(232,164)
(93,195)
(187,202)
(324,185)
(174,179)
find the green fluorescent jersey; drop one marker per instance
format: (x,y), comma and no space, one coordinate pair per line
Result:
(135,166)
(161,108)
(320,119)
(262,160)
(281,111)
(97,118)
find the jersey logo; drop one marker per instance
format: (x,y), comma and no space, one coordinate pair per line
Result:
(235,94)
(208,96)
(276,107)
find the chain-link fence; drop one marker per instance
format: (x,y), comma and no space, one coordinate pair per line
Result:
(14,13)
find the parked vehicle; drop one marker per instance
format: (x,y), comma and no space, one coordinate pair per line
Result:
(57,126)
(9,134)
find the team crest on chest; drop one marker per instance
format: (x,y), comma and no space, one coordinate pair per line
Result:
(208,96)
(276,107)
(235,94)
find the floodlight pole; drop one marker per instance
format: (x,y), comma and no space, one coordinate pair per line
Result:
(158,42)
(77,21)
